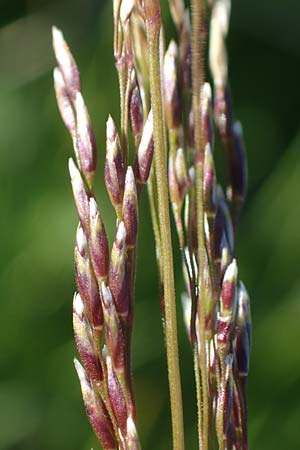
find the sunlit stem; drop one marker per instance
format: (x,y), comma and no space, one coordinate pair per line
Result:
(153,26)
(198,80)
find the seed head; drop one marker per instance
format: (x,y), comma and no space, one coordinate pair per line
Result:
(98,243)
(226,257)
(96,411)
(207,117)
(136,113)
(116,397)
(114,166)
(227,313)
(87,284)
(63,101)
(117,278)
(143,161)
(178,177)
(86,144)
(66,64)
(84,342)
(81,241)
(126,9)
(130,208)
(132,436)
(243,331)
(217,49)
(113,331)
(209,188)
(80,196)
(228,292)
(171,98)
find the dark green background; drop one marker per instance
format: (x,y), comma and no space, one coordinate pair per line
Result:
(40,403)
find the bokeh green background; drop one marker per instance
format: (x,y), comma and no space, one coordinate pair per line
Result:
(40,403)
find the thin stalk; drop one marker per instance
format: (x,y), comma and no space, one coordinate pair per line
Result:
(204,431)
(198,80)
(219,423)
(152,193)
(153,201)
(160,155)
(198,394)
(122,88)
(220,408)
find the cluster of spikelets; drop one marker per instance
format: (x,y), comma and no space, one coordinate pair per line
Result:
(217,318)
(216,312)
(103,306)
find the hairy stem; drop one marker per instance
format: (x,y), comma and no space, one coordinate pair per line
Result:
(198,80)
(152,194)
(160,155)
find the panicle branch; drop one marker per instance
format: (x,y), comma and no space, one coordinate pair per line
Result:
(103,307)
(206,219)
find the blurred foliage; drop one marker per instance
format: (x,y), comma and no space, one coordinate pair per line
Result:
(40,402)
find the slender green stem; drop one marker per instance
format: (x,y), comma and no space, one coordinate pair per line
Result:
(152,193)
(198,393)
(198,80)
(220,407)
(122,88)
(219,422)
(160,155)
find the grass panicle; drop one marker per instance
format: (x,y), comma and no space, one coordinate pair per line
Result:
(170,121)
